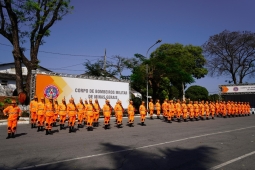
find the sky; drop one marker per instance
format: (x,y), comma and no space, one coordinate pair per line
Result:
(127,27)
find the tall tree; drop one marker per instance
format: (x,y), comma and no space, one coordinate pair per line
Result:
(231,54)
(196,93)
(29,21)
(114,67)
(179,63)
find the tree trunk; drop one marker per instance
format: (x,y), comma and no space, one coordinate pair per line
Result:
(28,81)
(18,70)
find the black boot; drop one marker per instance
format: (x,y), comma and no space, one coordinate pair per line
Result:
(13,135)
(47,132)
(70,129)
(41,128)
(38,129)
(32,126)
(9,136)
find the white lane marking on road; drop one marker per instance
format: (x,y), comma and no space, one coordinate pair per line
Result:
(231,161)
(141,147)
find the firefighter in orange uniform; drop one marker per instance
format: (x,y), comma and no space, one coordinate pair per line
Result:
(85,116)
(207,110)
(242,109)
(90,115)
(184,109)
(164,108)
(32,107)
(55,113)
(71,112)
(168,111)
(107,110)
(229,110)
(248,108)
(178,110)
(96,113)
(232,109)
(191,110)
(81,108)
(13,112)
(119,113)
(142,111)
(172,109)
(196,109)
(158,109)
(151,108)
(236,109)
(217,108)
(224,109)
(212,107)
(49,114)
(62,108)
(131,114)
(40,114)
(202,109)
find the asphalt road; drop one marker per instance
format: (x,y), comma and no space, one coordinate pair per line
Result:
(227,144)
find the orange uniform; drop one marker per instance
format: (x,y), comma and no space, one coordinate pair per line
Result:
(49,114)
(90,115)
(207,110)
(71,112)
(131,113)
(178,110)
(217,108)
(196,109)
(33,115)
(184,111)
(212,109)
(158,108)
(107,114)
(142,111)
(164,108)
(202,110)
(119,113)
(62,114)
(55,116)
(151,108)
(224,109)
(96,113)
(191,110)
(14,113)
(40,114)
(81,110)
(85,115)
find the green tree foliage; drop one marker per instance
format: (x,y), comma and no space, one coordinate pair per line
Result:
(29,21)
(170,63)
(214,97)
(231,54)
(196,93)
(111,68)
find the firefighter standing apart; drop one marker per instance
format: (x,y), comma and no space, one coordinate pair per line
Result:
(13,112)
(32,107)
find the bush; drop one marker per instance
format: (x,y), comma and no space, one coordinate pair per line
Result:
(1,104)
(8,100)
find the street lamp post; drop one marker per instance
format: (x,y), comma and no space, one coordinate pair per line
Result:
(147,73)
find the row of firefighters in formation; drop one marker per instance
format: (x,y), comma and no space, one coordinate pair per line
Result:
(46,114)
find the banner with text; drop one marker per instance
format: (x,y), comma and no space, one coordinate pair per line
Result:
(60,87)
(238,89)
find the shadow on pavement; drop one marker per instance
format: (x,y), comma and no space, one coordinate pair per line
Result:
(124,158)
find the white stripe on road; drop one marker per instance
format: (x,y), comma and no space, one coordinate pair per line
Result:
(142,147)
(231,161)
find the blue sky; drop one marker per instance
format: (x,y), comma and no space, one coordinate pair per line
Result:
(126,27)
